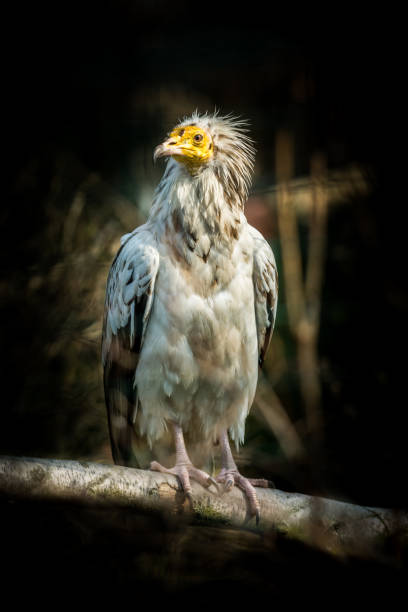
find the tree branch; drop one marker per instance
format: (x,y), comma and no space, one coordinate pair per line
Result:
(335,527)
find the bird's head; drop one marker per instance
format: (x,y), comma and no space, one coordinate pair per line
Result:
(210,145)
(208,139)
(190,145)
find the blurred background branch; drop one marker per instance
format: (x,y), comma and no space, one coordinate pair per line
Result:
(303,291)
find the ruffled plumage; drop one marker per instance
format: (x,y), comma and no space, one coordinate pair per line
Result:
(191,302)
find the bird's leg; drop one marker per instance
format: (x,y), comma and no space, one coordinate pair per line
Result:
(230,476)
(184,469)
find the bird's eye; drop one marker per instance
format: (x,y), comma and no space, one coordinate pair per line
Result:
(198,138)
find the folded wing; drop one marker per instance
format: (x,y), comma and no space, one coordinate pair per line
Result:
(129,300)
(265,277)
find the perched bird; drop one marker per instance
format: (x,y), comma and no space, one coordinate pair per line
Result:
(190,306)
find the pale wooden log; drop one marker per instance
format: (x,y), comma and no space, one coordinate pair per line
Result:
(339,528)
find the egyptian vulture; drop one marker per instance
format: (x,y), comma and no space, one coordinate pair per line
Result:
(190,307)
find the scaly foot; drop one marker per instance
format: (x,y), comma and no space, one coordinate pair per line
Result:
(231,477)
(184,471)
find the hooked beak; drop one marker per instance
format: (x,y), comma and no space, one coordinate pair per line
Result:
(167,149)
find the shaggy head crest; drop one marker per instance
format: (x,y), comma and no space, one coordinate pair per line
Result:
(216,144)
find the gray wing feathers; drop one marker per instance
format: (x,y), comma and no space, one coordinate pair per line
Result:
(265,278)
(129,299)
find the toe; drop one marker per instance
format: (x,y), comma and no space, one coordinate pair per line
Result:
(230,478)
(212,481)
(201,477)
(184,476)
(253,509)
(262,482)
(226,479)
(157,467)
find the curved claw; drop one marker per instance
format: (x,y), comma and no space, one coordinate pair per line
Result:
(233,477)
(227,479)
(189,498)
(250,515)
(212,481)
(229,483)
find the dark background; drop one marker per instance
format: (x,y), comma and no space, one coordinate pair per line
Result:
(88,91)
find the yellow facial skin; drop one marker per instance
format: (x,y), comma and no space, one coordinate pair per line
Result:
(189,145)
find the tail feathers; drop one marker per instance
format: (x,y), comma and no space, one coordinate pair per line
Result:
(121,401)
